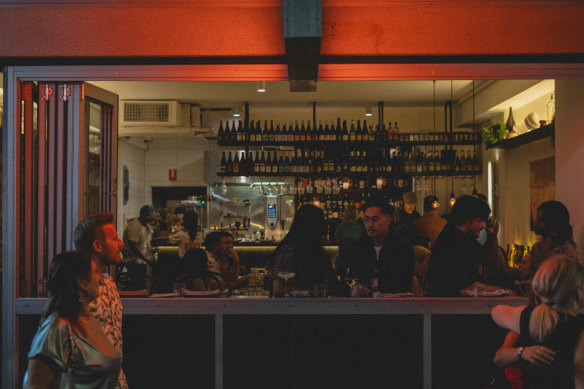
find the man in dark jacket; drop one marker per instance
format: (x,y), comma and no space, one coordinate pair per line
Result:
(382,261)
(456,254)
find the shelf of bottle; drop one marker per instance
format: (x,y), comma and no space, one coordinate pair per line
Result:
(349,144)
(354,174)
(528,137)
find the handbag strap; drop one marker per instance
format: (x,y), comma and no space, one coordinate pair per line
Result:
(70,368)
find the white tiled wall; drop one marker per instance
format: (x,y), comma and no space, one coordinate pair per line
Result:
(132,155)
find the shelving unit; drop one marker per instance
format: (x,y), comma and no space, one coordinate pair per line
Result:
(531,136)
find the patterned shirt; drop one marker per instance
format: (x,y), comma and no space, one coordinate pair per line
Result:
(107,309)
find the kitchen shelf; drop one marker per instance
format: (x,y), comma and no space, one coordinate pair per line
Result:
(528,137)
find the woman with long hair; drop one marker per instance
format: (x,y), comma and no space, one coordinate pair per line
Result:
(551,336)
(70,349)
(189,237)
(301,252)
(348,232)
(553,225)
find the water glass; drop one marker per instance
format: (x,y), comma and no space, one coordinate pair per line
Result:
(178,289)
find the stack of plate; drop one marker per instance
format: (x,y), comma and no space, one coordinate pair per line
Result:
(531,121)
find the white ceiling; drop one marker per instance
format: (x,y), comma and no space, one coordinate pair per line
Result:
(222,93)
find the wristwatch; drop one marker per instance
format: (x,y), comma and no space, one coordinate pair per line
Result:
(520,352)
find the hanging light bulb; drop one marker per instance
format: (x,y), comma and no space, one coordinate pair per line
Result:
(452,200)
(261,87)
(474,191)
(368,112)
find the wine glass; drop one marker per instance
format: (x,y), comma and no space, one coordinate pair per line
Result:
(286,275)
(350,278)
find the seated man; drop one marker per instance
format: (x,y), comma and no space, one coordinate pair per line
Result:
(428,226)
(456,255)
(382,261)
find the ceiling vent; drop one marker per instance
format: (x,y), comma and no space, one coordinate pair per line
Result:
(138,113)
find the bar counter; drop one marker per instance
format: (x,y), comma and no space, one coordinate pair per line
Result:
(241,342)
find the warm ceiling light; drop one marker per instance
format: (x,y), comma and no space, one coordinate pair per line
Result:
(368,111)
(261,86)
(452,200)
(236,115)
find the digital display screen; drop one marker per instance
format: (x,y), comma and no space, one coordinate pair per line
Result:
(272,211)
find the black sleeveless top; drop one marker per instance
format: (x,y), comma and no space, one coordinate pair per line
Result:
(563,339)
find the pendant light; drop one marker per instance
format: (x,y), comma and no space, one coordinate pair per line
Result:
(474,188)
(261,87)
(452,200)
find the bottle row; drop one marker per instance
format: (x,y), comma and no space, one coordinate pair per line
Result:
(381,162)
(363,135)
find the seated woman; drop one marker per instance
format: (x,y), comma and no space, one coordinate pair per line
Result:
(551,336)
(70,349)
(301,253)
(195,274)
(187,236)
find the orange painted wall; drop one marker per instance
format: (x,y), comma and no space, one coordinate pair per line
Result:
(192,28)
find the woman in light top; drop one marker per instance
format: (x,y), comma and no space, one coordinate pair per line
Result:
(70,349)
(551,337)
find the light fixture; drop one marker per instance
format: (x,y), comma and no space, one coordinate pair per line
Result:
(368,112)
(452,200)
(261,86)
(379,183)
(237,111)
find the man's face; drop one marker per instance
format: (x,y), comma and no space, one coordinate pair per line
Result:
(111,245)
(409,208)
(475,226)
(376,223)
(539,227)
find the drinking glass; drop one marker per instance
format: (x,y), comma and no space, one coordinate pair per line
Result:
(286,275)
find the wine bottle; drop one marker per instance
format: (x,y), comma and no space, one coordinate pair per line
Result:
(271,133)
(229,165)
(221,134)
(287,164)
(345,132)
(510,125)
(256,164)
(266,133)
(302,133)
(223,163)
(296,132)
(358,133)
(236,163)
(308,133)
(352,135)
(239,133)
(268,164)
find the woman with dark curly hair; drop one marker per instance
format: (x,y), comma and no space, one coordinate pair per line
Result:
(70,349)
(553,225)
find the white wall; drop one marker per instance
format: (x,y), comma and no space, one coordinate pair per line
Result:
(131,153)
(570,153)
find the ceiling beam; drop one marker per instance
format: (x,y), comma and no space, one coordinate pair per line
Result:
(302,39)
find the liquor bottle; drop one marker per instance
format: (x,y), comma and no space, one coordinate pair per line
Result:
(287,164)
(239,133)
(284,134)
(227,133)
(257,164)
(263,164)
(302,133)
(229,165)
(365,132)
(395,131)
(389,132)
(268,164)
(345,134)
(236,163)
(308,133)
(271,132)
(510,125)
(550,109)
(266,133)
(358,133)
(352,135)
(221,134)
(290,133)
(278,134)
(322,135)
(420,162)
(296,132)
(223,163)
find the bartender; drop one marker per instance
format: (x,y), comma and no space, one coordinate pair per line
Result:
(137,237)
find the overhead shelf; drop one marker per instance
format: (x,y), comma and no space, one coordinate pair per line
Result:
(528,137)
